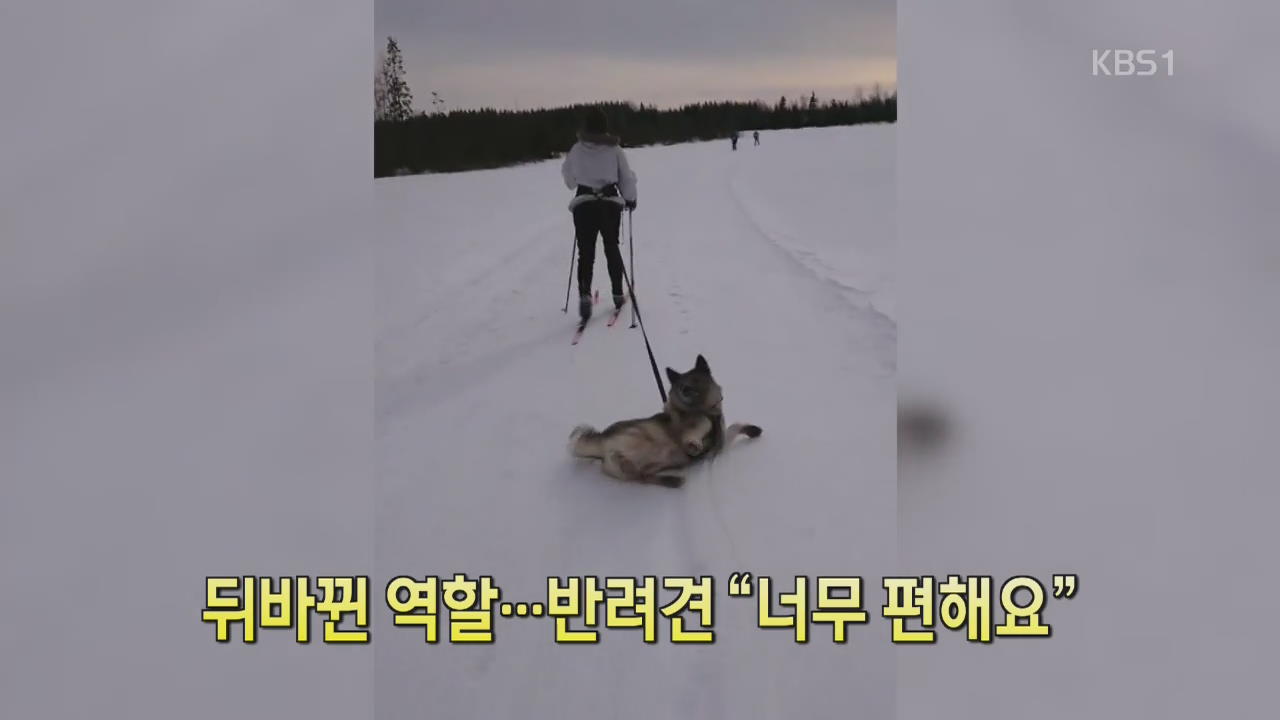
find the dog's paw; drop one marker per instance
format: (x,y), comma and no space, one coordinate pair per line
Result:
(752,431)
(693,448)
(671,481)
(624,464)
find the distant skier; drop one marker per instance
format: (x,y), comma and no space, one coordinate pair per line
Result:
(755,135)
(597,169)
(734,139)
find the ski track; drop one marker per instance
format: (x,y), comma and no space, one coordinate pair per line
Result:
(882,334)
(811,262)
(478,388)
(474,285)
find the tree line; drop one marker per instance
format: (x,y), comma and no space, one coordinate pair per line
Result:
(408,142)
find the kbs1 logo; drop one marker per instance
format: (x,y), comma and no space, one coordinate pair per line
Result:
(1126,63)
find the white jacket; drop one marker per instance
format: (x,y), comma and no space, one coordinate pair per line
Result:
(597,161)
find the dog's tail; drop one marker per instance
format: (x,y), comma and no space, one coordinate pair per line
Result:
(585,442)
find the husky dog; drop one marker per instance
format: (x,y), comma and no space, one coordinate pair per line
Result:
(657,448)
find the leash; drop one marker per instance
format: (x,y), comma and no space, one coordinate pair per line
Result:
(631,247)
(635,308)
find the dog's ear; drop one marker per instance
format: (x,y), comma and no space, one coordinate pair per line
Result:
(702,365)
(673,376)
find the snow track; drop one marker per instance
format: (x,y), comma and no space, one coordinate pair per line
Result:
(742,257)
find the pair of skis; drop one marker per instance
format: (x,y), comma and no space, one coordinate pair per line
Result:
(613,318)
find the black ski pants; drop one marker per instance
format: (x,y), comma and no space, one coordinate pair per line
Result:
(603,218)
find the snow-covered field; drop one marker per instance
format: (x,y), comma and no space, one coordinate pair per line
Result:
(775,263)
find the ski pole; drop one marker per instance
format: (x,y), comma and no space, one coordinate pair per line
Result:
(572,255)
(631,246)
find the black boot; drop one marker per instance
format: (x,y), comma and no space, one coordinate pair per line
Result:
(584,307)
(618,300)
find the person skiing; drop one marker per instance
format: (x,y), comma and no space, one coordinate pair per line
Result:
(755,135)
(734,139)
(596,169)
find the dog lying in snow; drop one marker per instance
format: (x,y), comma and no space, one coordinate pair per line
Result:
(657,449)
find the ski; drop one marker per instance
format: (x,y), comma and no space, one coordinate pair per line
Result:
(577,334)
(613,317)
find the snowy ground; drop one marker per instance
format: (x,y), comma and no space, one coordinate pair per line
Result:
(772,261)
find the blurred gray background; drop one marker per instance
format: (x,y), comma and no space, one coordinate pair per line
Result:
(186,356)
(1090,299)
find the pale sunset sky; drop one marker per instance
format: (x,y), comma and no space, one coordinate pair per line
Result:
(546,53)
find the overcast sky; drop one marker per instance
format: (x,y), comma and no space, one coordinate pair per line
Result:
(542,53)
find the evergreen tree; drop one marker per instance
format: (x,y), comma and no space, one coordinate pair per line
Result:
(397,100)
(473,139)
